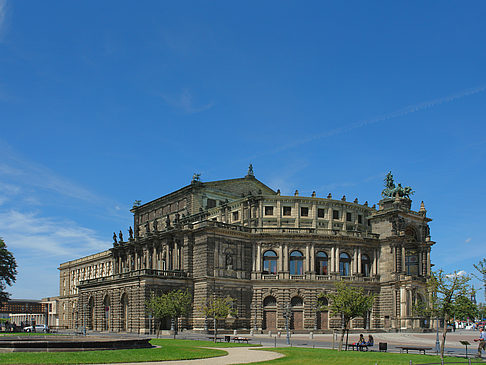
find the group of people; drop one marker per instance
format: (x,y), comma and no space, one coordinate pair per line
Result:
(362,342)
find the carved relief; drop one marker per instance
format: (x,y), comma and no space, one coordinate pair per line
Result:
(398,224)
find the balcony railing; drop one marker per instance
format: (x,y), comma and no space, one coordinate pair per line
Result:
(172,274)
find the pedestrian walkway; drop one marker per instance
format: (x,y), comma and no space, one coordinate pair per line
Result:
(236,355)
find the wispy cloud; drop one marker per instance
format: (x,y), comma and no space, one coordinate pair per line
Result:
(185,102)
(40,244)
(32,177)
(42,235)
(385,117)
(456,274)
(467,240)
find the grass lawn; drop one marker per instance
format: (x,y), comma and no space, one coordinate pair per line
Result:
(296,355)
(170,350)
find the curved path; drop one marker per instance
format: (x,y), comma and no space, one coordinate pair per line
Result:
(236,355)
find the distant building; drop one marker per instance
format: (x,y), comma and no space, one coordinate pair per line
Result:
(27,311)
(239,237)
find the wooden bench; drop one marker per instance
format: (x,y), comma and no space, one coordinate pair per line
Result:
(415,348)
(241,339)
(217,339)
(357,347)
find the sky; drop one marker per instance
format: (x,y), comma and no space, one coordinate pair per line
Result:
(104,103)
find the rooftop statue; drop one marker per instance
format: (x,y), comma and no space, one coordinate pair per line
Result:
(391,190)
(250,171)
(196,178)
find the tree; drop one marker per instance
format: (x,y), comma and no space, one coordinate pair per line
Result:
(481,268)
(8,270)
(218,308)
(173,305)
(348,302)
(481,311)
(445,290)
(464,309)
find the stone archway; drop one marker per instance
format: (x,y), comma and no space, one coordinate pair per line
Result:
(297,320)
(106,313)
(124,312)
(90,314)
(322,315)
(269,313)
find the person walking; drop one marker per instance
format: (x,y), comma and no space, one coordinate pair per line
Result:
(482,341)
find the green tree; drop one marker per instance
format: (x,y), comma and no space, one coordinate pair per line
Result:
(8,270)
(464,309)
(347,302)
(446,290)
(218,308)
(481,311)
(173,304)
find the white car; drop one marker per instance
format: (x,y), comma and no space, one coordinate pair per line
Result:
(38,328)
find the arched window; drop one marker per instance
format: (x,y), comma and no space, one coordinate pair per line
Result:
(90,323)
(269,302)
(296,302)
(270,262)
(296,263)
(124,312)
(365,265)
(344,264)
(106,313)
(322,302)
(321,263)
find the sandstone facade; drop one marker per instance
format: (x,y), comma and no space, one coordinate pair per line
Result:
(269,252)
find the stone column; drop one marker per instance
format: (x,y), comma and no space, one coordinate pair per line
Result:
(253,258)
(242,211)
(333,251)
(375,262)
(403,259)
(354,266)
(279,214)
(428,262)
(307,258)
(260,213)
(314,214)
(280,262)
(359,261)
(312,258)
(336,260)
(297,213)
(259,257)
(286,257)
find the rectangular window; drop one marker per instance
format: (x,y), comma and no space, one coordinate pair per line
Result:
(320,213)
(236,216)
(304,211)
(287,210)
(211,203)
(268,210)
(335,214)
(360,219)
(348,217)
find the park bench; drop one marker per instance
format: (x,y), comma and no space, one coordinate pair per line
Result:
(241,339)
(359,347)
(415,348)
(218,339)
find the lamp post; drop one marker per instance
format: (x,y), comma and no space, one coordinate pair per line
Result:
(287,313)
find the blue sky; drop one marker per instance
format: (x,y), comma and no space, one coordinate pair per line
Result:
(104,103)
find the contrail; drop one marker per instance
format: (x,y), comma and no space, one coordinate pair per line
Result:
(397,114)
